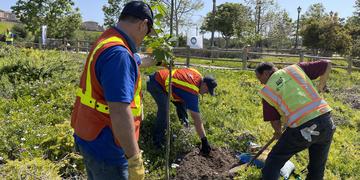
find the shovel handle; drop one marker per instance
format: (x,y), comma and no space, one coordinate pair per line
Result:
(261,151)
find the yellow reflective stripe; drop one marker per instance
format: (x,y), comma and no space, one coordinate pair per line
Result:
(167,80)
(167,83)
(266,91)
(91,102)
(86,98)
(136,111)
(137,100)
(186,84)
(306,110)
(102,108)
(182,83)
(88,90)
(300,79)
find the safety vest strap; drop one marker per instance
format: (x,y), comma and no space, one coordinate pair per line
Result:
(88,90)
(91,102)
(137,109)
(168,79)
(86,97)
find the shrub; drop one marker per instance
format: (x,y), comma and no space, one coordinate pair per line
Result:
(36,168)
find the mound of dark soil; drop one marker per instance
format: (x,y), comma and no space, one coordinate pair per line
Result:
(214,166)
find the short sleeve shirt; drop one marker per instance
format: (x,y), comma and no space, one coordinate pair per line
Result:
(116,72)
(191,100)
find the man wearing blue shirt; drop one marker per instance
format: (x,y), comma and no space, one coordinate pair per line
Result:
(107,112)
(187,85)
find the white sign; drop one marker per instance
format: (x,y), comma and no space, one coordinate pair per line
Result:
(195,42)
(43,34)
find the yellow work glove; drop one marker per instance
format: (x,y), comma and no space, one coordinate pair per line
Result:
(136,167)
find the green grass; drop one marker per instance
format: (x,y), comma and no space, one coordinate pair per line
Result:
(38,90)
(5,25)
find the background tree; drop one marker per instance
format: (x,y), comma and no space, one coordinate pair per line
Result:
(244,28)
(183,11)
(280,31)
(62,19)
(19,31)
(263,17)
(353,26)
(112,11)
(315,11)
(229,16)
(324,32)
(60,16)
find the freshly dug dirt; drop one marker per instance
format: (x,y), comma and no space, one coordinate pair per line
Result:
(215,166)
(352,97)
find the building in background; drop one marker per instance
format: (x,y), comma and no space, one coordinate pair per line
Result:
(91,26)
(8,16)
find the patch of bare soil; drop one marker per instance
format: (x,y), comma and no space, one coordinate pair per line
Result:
(214,166)
(352,97)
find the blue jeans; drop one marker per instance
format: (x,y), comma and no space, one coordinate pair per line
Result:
(99,170)
(160,97)
(292,142)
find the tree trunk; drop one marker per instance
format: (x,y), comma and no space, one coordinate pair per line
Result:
(171,17)
(177,27)
(176,20)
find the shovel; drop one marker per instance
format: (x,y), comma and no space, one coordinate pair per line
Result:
(236,168)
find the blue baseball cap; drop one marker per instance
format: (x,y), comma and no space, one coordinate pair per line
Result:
(141,10)
(211,84)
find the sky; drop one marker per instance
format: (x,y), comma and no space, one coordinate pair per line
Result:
(91,10)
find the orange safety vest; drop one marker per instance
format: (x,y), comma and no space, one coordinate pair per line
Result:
(91,112)
(187,79)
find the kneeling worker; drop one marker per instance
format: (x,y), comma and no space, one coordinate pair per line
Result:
(187,84)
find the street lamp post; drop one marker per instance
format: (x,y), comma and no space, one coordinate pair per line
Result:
(257,17)
(297,28)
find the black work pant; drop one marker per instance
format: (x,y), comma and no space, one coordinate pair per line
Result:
(292,142)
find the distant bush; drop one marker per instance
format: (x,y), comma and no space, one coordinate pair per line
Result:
(19,31)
